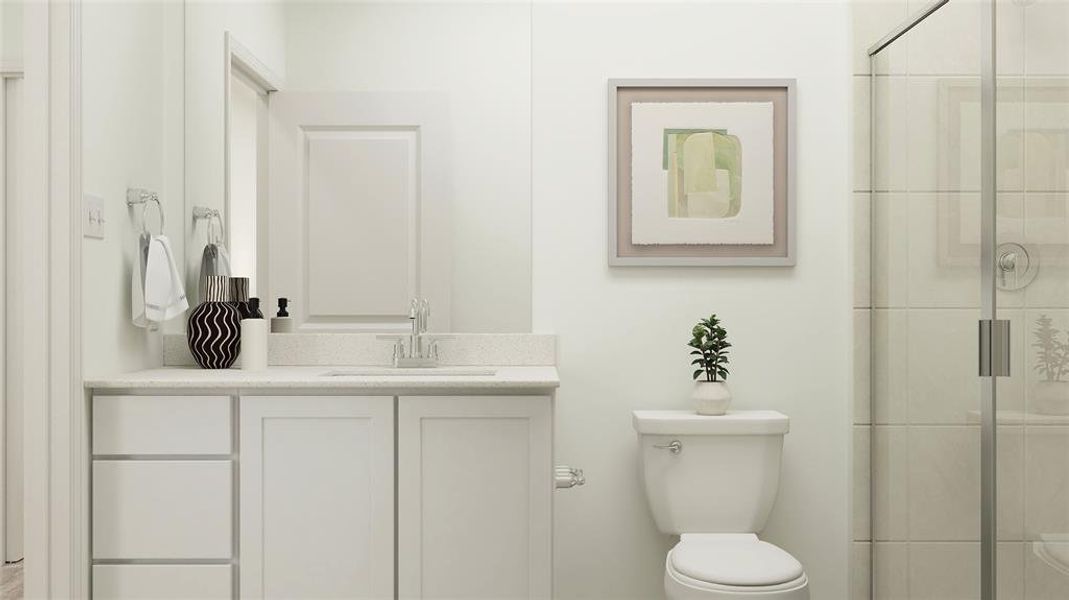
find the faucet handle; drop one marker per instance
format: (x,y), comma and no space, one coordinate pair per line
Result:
(432,343)
(398,345)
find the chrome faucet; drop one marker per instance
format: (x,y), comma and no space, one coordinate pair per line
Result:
(422,348)
(418,313)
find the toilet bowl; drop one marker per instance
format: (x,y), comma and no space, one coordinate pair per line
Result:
(730,567)
(712,480)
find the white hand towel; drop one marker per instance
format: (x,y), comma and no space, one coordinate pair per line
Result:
(137,281)
(213,261)
(165,297)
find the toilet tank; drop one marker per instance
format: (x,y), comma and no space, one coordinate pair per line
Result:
(725,475)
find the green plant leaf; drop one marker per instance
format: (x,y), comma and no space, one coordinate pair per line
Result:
(709,345)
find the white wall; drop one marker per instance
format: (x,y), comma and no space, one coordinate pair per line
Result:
(478,55)
(260,27)
(131,137)
(10,30)
(622,331)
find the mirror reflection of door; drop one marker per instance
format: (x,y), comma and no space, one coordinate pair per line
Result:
(359,208)
(246,153)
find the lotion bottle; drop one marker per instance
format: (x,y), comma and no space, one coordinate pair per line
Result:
(254,338)
(282,323)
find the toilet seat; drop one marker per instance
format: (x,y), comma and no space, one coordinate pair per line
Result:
(732,566)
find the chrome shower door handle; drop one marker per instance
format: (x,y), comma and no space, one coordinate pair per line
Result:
(994,346)
(675,446)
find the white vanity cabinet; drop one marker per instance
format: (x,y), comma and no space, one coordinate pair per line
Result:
(317,497)
(474,506)
(322,496)
(474,496)
(162,497)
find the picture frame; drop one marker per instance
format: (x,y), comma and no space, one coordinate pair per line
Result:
(653,232)
(1030,210)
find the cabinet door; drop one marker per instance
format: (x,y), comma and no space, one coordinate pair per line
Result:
(474,497)
(317,497)
(161,425)
(162,582)
(162,509)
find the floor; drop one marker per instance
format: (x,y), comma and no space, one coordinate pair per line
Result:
(11,582)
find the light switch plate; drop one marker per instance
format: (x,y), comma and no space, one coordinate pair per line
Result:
(93,219)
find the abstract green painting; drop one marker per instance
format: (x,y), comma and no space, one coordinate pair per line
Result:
(678,152)
(687,164)
(704,173)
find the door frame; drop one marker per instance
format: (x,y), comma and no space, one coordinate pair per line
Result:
(49,256)
(988,305)
(239,60)
(9,71)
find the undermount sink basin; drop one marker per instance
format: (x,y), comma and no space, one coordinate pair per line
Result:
(399,372)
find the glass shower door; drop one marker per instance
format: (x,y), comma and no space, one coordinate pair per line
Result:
(1031,270)
(934,212)
(969,205)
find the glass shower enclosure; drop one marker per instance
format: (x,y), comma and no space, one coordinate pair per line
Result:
(969,302)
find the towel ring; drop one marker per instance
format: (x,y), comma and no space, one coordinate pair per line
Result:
(219,231)
(214,234)
(214,218)
(135,196)
(159,211)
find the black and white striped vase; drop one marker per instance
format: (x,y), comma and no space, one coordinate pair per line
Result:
(239,287)
(214,327)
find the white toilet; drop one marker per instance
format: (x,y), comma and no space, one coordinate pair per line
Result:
(712,481)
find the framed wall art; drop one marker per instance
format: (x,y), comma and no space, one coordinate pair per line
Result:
(701,172)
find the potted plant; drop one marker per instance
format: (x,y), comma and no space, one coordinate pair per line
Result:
(1051,395)
(709,346)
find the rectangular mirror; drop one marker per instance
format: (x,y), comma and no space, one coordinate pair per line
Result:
(132,137)
(363,154)
(346,156)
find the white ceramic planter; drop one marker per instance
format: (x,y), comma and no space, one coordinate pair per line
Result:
(711,397)
(1051,398)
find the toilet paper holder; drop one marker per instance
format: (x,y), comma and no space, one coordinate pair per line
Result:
(568,477)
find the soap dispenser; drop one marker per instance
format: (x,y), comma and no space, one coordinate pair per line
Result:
(282,323)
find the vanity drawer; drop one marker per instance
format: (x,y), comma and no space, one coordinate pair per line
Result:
(157,509)
(161,425)
(152,582)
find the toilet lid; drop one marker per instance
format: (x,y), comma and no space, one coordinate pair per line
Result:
(733,561)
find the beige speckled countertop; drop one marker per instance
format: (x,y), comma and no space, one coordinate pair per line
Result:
(487,379)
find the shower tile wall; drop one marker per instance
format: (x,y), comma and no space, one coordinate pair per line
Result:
(916,306)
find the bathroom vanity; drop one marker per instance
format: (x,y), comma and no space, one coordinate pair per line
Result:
(313,482)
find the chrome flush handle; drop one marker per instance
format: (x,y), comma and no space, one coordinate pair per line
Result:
(675,446)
